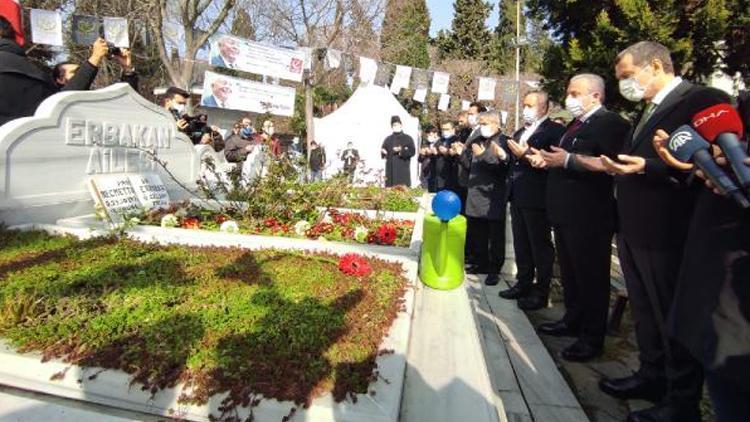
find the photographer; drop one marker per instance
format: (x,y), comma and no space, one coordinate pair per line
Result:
(70,76)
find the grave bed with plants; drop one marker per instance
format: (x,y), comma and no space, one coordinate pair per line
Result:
(244,324)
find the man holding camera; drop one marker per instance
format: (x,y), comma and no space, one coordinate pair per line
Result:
(70,76)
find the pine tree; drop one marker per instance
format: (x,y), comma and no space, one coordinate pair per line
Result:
(468,38)
(502,57)
(592,33)
(405,33)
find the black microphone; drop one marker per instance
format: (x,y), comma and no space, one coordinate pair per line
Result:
(687,145)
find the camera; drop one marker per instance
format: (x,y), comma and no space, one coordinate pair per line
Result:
(112,50)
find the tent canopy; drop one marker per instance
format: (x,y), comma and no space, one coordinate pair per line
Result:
(365,120)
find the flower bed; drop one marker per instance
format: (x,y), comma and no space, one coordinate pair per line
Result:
(284,325)
(331,225)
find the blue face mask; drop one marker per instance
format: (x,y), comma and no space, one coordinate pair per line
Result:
(246,132)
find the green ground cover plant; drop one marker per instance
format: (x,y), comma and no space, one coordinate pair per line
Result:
(275,324)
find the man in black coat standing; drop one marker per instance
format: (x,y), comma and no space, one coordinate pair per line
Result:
(397,151)
(581,208)
(527,186)
(654,214)
(23,85)
(488,162)
(445,162)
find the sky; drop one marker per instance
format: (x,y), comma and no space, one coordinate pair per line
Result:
(441,15)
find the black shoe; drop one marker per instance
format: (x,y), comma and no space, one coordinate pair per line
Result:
(516,292)
(492,279)
(580,351)
(532,302)
(558,329)
(667,413)
(634,387)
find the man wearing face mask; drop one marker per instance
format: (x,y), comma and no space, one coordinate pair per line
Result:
(581,208)
(445,163)
(488,162)
(428,154)
(654,212)
(397,151)
(241,143)
(532,233)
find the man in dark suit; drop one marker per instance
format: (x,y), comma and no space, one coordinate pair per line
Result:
(654,212)
(532,233)
(445,165)
(581,208)
(487,196)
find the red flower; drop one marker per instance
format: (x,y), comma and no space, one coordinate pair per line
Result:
(386,234)
(355,265)
(191,223)
(271,222)
(221,218)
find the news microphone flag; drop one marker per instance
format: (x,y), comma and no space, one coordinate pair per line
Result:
(721,124)
(12,11)
(685,144)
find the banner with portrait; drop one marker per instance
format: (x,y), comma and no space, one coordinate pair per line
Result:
(221,91)
(248,56)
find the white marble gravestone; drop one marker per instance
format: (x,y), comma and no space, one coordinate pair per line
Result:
(46,160)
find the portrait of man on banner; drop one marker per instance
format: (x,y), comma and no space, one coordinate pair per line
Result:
(224,52)
(220,91)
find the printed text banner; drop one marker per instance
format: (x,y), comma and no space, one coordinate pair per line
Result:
(222,91)
(247,56)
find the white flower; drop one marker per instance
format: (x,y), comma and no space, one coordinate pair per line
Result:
(301,227)
(169,220)
(229,226)
(360,234)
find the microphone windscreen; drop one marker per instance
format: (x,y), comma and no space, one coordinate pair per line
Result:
(685,142)
(718,119)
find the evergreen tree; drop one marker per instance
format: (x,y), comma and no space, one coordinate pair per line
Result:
(468,38)
(502,57)
(591,34)
(405,34)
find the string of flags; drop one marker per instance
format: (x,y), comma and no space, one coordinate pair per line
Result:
(47,28)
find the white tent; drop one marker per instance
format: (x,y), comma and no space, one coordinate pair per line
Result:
(365,120)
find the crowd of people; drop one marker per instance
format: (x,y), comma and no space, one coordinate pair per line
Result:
(684,250)
(571,190)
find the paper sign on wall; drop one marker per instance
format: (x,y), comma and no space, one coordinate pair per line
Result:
(444,102)
(116,31)
(401,79)
(486,89)
(368,69)
(465,105)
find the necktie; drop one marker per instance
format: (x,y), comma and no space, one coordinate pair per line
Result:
(647,112)
(572,129)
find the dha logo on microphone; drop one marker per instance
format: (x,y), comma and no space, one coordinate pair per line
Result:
(714,115)
(679,139)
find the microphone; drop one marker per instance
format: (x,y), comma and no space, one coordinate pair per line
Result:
(687,145)
(721,124)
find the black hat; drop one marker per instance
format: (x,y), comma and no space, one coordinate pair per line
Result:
(395,119)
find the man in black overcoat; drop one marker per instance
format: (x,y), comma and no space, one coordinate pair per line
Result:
(397,151)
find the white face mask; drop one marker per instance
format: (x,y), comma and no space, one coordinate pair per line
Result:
(574,106)
(447,134)
(396,128)
(487,131)
(472,120)
(179,108)
(432,139)
(631,90)
(529,115)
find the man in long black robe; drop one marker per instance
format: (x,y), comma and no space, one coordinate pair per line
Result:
(397,150)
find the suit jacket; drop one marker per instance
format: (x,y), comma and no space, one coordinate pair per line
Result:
(487,183)
(23,85)
(209,101)
(527,185)
(468,135)
(218,61)
(655,207)
(582,198)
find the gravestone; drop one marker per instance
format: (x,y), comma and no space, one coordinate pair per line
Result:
(46,160)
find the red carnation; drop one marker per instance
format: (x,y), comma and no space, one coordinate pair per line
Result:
(386,234)
(355,265)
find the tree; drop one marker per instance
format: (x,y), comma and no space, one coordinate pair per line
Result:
(591,34)
(468,36)
(502,54)
(406,33)
(242,25)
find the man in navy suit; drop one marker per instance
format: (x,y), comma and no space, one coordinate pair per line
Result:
(581,207)
(654,210)
(527,186)
(227,54)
